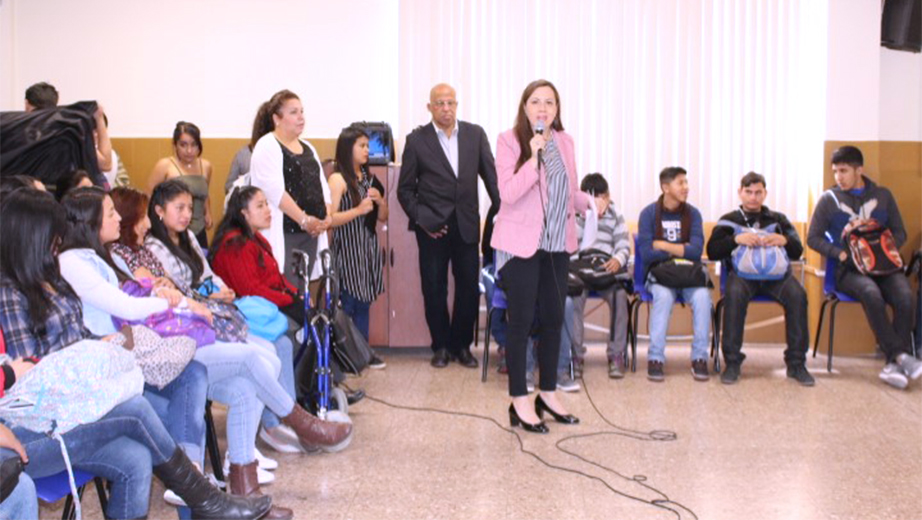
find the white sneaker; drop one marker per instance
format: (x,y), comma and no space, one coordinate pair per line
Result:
(173,499)
(265,462)
(565,384)
(893,375)
(910,365)
(262,476)
(281,439)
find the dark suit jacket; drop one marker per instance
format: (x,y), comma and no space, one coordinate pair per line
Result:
(428,190)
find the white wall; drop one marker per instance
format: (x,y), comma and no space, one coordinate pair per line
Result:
(900,95)
(853,73)
(211,62)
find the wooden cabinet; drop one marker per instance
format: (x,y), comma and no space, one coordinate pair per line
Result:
(398,316)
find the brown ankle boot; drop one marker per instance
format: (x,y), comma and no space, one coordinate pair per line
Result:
(242,481)
(314,433)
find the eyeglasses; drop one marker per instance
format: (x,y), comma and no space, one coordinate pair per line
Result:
(444,104)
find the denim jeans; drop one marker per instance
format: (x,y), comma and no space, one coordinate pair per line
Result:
(567,337)
(244,376)
(699,298)
(357,310)
(121,447)
(875,294)
(498,320)
(788,292)
(616,298)
(181,407)
(284,349)
(22,503)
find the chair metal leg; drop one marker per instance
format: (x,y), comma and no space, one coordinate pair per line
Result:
(70,509)
(486,346)
(477,330)
(211,444)
(630,334)
(715,347)
(832,331)
(819,326)
(636,319)
(103,494)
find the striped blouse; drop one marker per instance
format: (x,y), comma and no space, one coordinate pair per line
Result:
(357,256)
(554,234)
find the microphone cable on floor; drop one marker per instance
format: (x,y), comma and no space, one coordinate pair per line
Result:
(664,503)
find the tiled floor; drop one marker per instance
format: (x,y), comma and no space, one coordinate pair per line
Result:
(766,448)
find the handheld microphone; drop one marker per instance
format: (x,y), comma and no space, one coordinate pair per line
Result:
(539,129)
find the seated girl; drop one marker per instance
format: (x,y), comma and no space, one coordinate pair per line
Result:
(41,314)
(132,250)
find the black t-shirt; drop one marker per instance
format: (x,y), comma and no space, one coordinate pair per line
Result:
(302,181)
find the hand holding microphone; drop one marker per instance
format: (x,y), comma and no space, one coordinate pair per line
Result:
(538,141)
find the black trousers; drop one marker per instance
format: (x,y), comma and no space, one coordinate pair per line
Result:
(875,293)
(456,332)
(534,284)
(788,292)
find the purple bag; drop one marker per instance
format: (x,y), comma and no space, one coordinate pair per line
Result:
(169,322)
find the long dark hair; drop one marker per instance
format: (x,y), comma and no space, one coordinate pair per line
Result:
(523,130)
(33,225)
(344,159)
(185,127)
(263,124)
(84,215)
(165,192)
(235,221)
(65,185)
(259,129)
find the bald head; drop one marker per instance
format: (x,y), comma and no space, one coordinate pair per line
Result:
(441,90)
(443,106)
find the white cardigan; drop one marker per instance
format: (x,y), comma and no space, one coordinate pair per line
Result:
(97,286)
(266,174)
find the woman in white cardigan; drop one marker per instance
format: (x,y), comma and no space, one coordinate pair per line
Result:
(288,171)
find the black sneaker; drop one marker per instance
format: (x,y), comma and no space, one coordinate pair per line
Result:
(376,362)
(800,374)
(731,374)
(699,370)
(655,371)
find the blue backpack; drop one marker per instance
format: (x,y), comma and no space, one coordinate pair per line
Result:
(758,263)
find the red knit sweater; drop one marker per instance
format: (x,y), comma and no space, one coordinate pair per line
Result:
(238,264)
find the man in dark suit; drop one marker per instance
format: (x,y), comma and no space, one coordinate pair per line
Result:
(438,191)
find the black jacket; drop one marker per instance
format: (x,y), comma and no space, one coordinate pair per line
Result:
(49,144)
(428,190)
(723,242)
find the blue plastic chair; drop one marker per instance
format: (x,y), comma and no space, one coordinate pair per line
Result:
(832,296)
(52,488)
(499,304)
(641,296)
(718,313)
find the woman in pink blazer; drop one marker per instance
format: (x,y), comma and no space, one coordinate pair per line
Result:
(534,235)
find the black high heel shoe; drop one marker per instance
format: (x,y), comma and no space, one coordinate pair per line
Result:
(515,420)
(541,407)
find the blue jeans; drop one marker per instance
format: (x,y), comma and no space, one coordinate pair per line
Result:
(285,351)
(181,407)
(498,322)
(244,376)
(663,301)
(22,503)
(121,447)
(357,310)
(567,332)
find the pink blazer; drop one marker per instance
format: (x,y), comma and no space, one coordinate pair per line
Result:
(521,217)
